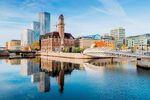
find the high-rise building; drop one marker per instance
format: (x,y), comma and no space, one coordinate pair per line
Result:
(27,37)
(119,36)
(44,19)
(36,34)
(36,31)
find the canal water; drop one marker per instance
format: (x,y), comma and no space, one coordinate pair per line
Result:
(67,79)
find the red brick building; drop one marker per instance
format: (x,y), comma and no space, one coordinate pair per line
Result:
(57,41)
(52,41)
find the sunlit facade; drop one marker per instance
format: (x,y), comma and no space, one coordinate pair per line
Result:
(119,36)
(13,45)
(36,34)
(27,37)
(44,19)
(139,41)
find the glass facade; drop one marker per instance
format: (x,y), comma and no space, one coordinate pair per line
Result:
(36,30)
(44,19)
(119,35)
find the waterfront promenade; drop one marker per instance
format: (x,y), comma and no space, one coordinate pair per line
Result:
(103,52)
(67,55)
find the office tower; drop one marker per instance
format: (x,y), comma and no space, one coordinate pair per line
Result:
(119,36)
(27,37)
(44,19)
(36,31)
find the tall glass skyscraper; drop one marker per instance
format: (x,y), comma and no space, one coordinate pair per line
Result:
(36,30)
(44,19)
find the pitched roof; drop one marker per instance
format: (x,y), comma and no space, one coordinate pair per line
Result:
(56,35)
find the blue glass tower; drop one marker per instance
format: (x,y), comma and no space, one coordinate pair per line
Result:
(44,19)
(36,30)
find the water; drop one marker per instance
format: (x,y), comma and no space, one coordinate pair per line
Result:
(48,78)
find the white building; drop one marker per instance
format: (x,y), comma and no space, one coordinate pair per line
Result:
(139,41)
(27,37)
(44,19)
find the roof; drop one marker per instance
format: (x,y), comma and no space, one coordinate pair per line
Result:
(16,40)
(61,16)
(56,35)
(107,37)
(148,34)
(95,37)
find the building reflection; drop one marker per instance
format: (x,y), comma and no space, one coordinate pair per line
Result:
(29,67)
(13,61)
(143,72)
(60,80)
(101,62)
(42,69)
(44,82)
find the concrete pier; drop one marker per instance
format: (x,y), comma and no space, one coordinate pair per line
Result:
(143,63)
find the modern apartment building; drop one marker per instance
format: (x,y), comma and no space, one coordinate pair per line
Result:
(44,19)
(139,41)
(119,36)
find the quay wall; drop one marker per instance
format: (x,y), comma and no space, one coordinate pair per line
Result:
(67,55)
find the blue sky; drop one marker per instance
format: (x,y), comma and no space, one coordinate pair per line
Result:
(81,16)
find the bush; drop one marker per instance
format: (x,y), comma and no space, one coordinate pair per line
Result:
(73,50)
(77,50)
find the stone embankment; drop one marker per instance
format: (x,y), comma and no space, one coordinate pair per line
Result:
(67,55)
(4,53)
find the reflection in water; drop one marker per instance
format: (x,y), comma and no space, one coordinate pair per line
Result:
(13,61)
(100,76)
(44,83)
(29,67)
(60,79)
(141,71)
(100,62)
(40,70)
(118,65)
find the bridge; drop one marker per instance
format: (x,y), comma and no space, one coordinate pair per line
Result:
(19,53)
(105,52)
